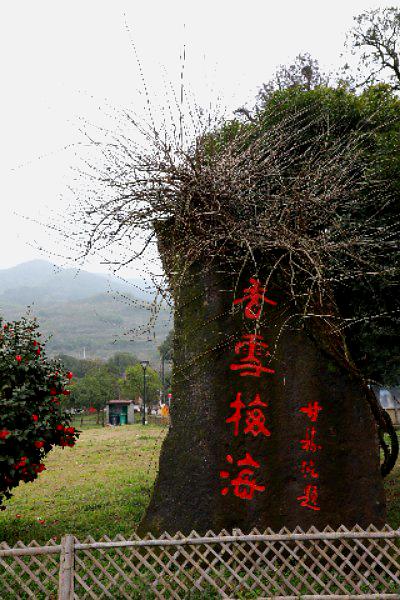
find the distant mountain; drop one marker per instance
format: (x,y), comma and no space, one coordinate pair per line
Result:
(31,273)
(41,281)
(84,312)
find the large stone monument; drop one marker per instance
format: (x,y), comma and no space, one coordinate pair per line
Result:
(269,425)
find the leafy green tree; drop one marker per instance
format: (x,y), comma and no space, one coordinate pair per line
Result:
(78,366)
(132,386)
(32,419)
(118,363)
(95,389)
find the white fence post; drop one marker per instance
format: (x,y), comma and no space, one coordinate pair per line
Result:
(67,561)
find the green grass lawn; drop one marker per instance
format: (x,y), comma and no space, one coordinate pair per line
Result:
(102,486)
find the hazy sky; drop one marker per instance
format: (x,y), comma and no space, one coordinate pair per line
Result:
(64,61)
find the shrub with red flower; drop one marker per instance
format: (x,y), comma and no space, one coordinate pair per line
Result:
(31,423)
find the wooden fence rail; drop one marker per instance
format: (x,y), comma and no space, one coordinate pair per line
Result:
(342,564)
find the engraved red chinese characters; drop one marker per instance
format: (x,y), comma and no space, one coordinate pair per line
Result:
(244,485)
(308,443)
(254,417)
(308,469)
(311,410)
(254,299)
(250,364)
(310,498)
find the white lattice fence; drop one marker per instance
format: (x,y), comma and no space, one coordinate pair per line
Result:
(30,571)
(330,564)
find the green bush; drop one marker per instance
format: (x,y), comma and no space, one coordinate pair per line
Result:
(31,418)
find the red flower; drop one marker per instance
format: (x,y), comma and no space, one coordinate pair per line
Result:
(69,375)
(60,427)
(92,409)
(39,444)
(18,358)
(4,433)
(5,326)
(65,392)
(53,391)
(35,418)
(38,351)
(21,462)
(70,430)
(35,343)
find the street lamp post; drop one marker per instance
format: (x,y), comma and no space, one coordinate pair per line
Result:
(145,364)
(163,378)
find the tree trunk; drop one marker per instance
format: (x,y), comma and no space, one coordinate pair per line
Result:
(298,446)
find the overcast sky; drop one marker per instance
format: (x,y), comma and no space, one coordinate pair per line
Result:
(64,61)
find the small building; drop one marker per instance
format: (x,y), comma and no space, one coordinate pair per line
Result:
(389,399)
(120,412)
